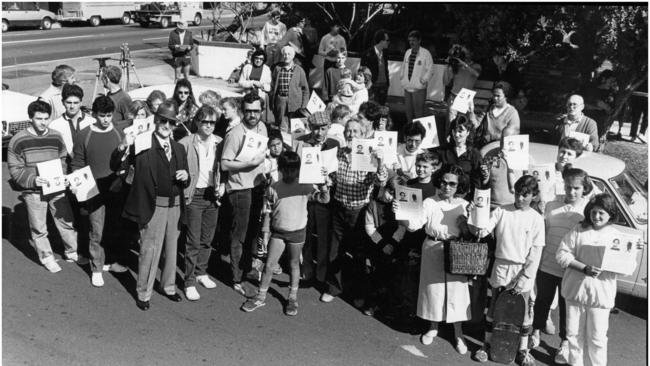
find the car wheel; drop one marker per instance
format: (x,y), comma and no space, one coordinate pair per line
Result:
(46,23)
(197,20)
(5,25)
(95,21)
(126,18)
(164,22)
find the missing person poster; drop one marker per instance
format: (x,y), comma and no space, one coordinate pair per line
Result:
(462,100)
(431,138)
(311,166)
(480,214)
(254,143)
(515,150)
(362,158)
(143,141)
(52,170)
(620,255)
(545,175)
(386,141)
(298,125)
(409,203)
(82,184)
(330,159)
(315,104)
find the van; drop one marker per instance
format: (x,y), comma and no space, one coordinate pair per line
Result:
(95,12)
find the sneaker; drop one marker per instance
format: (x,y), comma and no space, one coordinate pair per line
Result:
(97,279)
(562,355)
(524,358)
(427,338)
(191,293)
(549,328)
(533,340)
(253,303)
(370,311)
(51,265)
(74,257)
(239,288)
(325,297)
(206,281)
(482,354)
(292,308)
(461,347)
(277,270)
(115,267)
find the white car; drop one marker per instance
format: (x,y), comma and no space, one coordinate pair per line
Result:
(609,175)
(14,113)
(17,13)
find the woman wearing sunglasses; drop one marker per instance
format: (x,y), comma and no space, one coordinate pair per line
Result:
(442,297)
(187,107)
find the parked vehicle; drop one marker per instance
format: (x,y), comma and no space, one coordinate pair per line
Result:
(14,114)
(167,14)
(609,175)
(95,12)
(25,14)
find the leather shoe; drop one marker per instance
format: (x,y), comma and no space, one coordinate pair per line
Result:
(173,297)
(143,305)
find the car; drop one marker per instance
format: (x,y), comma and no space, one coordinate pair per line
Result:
(25,14)
(14,114)
(611,176)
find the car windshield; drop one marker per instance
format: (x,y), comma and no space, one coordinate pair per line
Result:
(634,195)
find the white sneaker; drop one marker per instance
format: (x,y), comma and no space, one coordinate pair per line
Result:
(74,257)
(206,281)
(461,347)
(533,340)
(51,265)
(192,294)
(97,280)
(427,338)
(325,297)
(562,355)
(115,267)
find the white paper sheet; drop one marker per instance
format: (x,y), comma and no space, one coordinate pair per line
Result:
(582,137)
(362,159)
(545,174)
(287,138)
(480,214)
(298,125)
(52,170)
(254,143)
(387,142)
(143,141)
(620,254)
(311,164)
(462,100)
(410,203)
(431,138)
(330,159)
(516,149)
(315,104)
(83,184)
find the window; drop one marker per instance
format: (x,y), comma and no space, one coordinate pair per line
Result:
(635,198)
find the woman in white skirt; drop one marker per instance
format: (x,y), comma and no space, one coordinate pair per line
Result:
(442,297)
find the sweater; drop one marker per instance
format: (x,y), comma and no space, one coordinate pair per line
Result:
(245,80)
(560,218)
(330,83)
(287,203)
(422,69)
(93,147)
(298,88)
(584,125)
(122,104)
(509,118)
(62,125)
(26,149)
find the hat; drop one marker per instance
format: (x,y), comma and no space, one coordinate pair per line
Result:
(318,119)
(181,24)
(167,110)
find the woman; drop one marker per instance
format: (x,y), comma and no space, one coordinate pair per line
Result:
(138,109)
(155,99)
(364,79)
(186,102)
(257,77)
(461,72)
(442,296)
(502,119)
(202,199)
(231,115)
(461,152)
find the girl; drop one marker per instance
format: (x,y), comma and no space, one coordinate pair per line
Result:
(561,216)
(155,99)
(287,205)
(363,77)
(138,109)
(589,291)
(442,296)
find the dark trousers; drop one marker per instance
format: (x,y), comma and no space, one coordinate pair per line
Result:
(639,106)
(346,240)
(105,244)
(319,227)
(246,205)
(546,286)
(378,93)
(202,215)
(281,112)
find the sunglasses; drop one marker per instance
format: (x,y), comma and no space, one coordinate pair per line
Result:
(209,121)
(447,183)
(163,121)
(184,92)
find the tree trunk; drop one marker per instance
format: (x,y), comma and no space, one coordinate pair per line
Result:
(621,101)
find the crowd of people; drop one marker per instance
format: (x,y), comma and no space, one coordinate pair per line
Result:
(340,236)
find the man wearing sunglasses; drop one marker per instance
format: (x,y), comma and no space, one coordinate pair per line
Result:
(156,201)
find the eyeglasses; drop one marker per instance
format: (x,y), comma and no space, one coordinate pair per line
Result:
(258,58)
(209,121)
(450,184)
(183,92)
(163,121)
(252,111)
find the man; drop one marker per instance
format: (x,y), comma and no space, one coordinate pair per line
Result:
(575,121)
(111,76)
(351,195)
(319,223)
(27,148)
(62,75)
(73,119)
(330,46)
(244,187)
(417,70)
(377,61)
(273,31)
(155,202)
(180,43)
(289,89)
(93,147)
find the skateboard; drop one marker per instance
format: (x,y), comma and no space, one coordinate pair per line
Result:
(509,313)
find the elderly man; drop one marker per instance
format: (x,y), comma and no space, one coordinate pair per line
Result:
(62,75)
(575,121)
(289,89)
(319,223)
(180,43)
(155,202)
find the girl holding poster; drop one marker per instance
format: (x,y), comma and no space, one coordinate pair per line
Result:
(442,296)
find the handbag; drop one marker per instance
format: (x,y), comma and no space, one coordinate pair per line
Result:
(466,257)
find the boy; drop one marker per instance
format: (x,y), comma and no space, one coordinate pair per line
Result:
(333,75)
(74,119)
(520,240)
(27,148)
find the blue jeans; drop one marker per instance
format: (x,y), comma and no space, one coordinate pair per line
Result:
(37,206)
(246,207)
(202,215)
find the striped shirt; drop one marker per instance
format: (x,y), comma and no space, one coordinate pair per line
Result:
(284,79)
(412,58)
(26,149)
(352,187)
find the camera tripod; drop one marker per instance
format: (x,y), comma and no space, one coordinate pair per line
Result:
(126,64)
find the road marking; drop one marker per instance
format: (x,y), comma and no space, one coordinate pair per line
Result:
(80,57)
(150,39)
(48,39)
(413,350)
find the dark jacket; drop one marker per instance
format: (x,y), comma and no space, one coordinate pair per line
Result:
(141,202)
(371,60)
(174,39)
(298,88)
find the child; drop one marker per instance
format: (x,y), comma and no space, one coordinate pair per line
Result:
(561,216)
(520,239)
(286,201)
(413,134)
(333,75)
(589,291)
(568,150)
(339,117)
